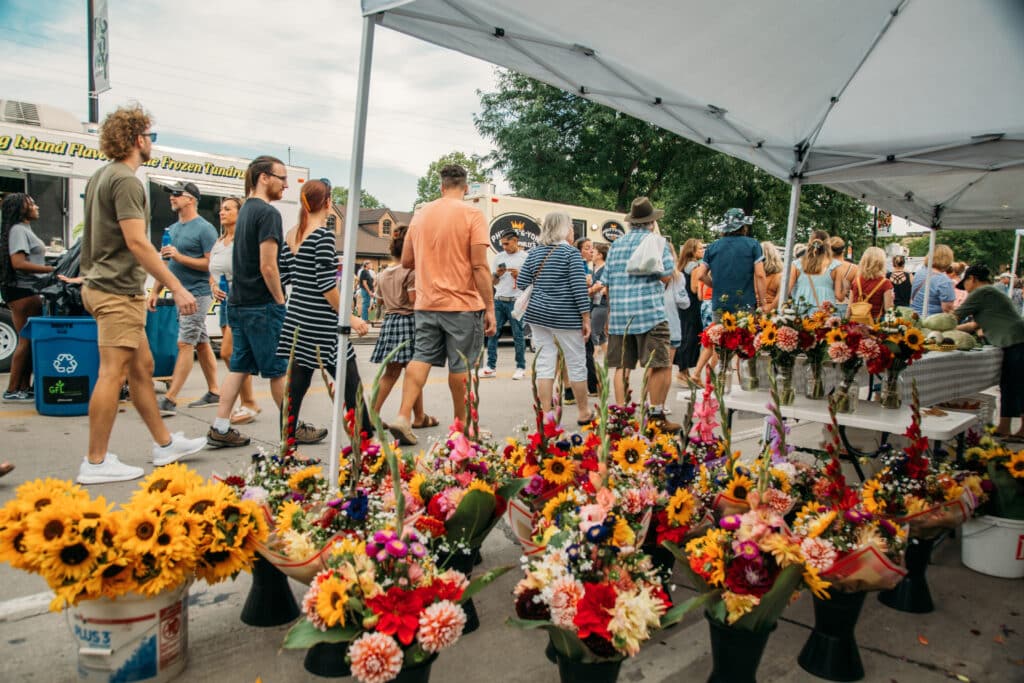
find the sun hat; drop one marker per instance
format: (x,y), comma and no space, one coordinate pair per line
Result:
(641,211)
(733,220)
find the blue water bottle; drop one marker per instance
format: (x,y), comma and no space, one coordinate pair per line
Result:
(166,241)
(223,283)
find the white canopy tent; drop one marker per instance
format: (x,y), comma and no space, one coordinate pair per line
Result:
(913,106)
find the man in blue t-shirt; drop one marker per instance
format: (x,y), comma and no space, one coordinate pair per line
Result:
(188,257)
(733,267)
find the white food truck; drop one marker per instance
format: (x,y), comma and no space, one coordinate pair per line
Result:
(48,153)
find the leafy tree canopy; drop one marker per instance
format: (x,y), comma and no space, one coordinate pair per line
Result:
(339,195)
(428,187)
(994,248)
(557,146)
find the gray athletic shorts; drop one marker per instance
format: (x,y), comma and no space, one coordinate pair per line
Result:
(192,328)
(442,335)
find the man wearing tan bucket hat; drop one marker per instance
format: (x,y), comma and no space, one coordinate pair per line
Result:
(637,326)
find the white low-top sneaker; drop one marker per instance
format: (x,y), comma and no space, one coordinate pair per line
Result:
(487,373)
(519,373)
(177,449)
(106,472)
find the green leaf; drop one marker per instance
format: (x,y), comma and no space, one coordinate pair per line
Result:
(566,642)
(1008,497)
(512,488)
(481,582)
(774,602)
(676,613)
(304,635)
(473,519)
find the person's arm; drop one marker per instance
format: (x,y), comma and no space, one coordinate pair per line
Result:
(888,299)
(838,286)
(760,283)
(408,254)
(135,237)
(947,295)
(482,279)
(792,281)
(20,262)
(201,263)
(270,271)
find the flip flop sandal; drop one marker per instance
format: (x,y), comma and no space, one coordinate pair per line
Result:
(6,468)
(244,415)
(427,422)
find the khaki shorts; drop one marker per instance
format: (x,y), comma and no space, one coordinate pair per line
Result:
(120,320)
(449,336)
(625,350)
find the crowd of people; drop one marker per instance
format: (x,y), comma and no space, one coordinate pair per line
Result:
(635,302)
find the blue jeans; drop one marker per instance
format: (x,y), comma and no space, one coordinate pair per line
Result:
(503,314)
(366,304)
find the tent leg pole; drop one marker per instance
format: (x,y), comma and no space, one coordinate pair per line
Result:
(787,259)
(1013,268)
(349,254)
(928,273)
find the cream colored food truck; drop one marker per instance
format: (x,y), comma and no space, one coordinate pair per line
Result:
(49,154)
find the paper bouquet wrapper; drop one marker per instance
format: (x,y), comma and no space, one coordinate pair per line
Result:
(521,520)
(866,569)
(726,505)
(947,515)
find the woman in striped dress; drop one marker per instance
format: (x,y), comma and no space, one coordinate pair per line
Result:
(559,310)
(312,308)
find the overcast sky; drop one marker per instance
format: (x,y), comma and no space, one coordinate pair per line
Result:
(258,76)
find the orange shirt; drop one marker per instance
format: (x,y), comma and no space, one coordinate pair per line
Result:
(440,235)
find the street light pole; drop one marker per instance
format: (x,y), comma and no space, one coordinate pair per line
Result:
(94,100)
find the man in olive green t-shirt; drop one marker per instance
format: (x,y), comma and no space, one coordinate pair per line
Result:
(116,254)
(995,315)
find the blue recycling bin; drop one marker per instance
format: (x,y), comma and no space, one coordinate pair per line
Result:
(65,363)
(162,334)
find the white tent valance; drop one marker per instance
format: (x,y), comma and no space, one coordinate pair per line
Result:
(910,105)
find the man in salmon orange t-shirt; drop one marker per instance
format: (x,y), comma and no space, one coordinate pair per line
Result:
(447,246)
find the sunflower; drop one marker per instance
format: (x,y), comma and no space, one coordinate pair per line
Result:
(173,480)
(415,484)
(819,525)
(739,486)
(331,600)
(622,534)
(835,335)
(140,529)
(631,454)
(781,478)
(914,339)
(1016,465)
(13,549)
(784,550)
(728,321)
(558,471)
(515,456)
(48,530)
(343,470)
(738,605)
(974,453)
(567,498)
(305,478)
(768,334)
(73,561)
(214,566)
(36,494)
(480,485)
(869,495)
(815,583)
(680,507)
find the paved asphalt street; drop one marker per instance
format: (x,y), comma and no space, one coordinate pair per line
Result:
(976,633)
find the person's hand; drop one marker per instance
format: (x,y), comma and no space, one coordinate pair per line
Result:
(515,272)
(360,327)
(586,330)
(490,324)
(218,293)
(590,280)
(71,280)
(151,301)
(169,252)
(183,299)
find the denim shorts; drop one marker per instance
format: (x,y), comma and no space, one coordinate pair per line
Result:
(222,314)
(256,331)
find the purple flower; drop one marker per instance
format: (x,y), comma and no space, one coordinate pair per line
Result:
(397,548)
(730,522)
(418,549)
(383,536)
(536,485)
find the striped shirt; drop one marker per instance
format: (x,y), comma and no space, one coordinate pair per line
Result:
(559,297)
(636,301)
(314,271)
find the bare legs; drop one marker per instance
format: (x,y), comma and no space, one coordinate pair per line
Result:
(21,362)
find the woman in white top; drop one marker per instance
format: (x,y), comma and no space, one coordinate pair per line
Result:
(220,265)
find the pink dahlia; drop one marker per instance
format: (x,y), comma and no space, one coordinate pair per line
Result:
(376,658)
(820,554)
(566,593)
(787,339)
(868,348)
(778,501)
(441,625)
(839,352)
(309,601)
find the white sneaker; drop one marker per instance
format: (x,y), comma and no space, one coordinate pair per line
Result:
(519,373)
(177,449)
(108,471)
(487,373)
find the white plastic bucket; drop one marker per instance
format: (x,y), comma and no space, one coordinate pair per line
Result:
(132,638)
(994,546)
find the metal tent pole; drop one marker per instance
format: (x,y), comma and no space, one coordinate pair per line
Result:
(349,253)
(1016,255)
(787,261)
(927,274)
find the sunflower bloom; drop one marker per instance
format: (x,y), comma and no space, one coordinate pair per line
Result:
(558,470)
(331,600)
(305,478)
(631,454)
(739,486)
(737,606)
(680,507)
(1016,465)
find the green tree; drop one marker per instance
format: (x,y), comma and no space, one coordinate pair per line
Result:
(339,195)
(994,248)
(428,187)
(557,146)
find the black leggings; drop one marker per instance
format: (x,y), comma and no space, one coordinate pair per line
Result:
(299,385)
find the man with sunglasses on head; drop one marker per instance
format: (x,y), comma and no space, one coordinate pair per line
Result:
(188,254)
(256,297)
(116,255)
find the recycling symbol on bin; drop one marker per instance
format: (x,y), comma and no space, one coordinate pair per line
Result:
(65,364)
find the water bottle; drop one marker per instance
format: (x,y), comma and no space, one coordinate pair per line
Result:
(223,283)
(166,241)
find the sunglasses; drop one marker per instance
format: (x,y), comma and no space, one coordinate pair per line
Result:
(177,193)
(151,136)
(282,178)
(326,182)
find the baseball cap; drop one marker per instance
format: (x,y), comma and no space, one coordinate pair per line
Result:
(978,272)
(186,188)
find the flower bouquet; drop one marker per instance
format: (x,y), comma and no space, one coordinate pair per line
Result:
(1003,488)
(176,527)
(814,346)
(905,344)
(728,338)
(851,346)
(780,339)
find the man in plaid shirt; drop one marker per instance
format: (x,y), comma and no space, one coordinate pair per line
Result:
(637,326)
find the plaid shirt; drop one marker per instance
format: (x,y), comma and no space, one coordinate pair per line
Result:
(634,300)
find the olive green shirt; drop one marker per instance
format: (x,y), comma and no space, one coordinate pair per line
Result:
(994,312)
(112,194)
